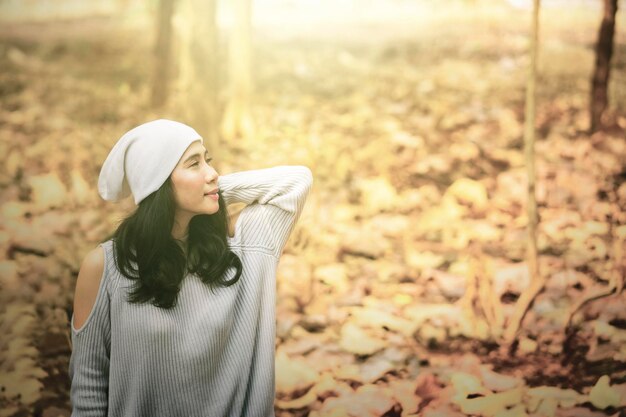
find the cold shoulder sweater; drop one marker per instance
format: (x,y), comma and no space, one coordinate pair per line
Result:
(212,355)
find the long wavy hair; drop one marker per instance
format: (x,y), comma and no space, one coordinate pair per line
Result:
(146,252)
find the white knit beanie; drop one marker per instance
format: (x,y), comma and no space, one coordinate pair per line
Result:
(143,159)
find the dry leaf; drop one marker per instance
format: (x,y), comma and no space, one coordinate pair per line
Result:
(498,382)
(365,243)
(47,191)
(377,194)
(512,278)
(355,340)
(602,395)
(9,280)
(469,191)
(293,278)
(606,331)
(367,401)
(390,225)
(422,259)
(465,384)
(81,192)
(293,374)
(334,275)
(421,312)
(374,369)
(306,400)
(566,398)
(490,404)
(517,411)
(371,317)
(28,388)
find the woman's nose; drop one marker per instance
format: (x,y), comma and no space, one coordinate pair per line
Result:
(211,174)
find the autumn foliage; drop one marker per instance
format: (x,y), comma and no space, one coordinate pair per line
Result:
(397,285)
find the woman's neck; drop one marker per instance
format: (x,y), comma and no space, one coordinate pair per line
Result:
(180,228)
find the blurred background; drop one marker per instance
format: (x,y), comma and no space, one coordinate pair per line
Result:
(416,281)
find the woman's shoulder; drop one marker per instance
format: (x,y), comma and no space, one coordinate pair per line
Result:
(88,283)
(94,260)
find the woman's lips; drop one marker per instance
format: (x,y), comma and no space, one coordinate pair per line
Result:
(214,196)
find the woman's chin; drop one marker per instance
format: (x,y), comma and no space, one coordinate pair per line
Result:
(211,210)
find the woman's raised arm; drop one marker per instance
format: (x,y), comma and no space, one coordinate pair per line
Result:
(275,198)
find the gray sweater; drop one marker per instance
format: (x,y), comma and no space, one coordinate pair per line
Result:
(213,354)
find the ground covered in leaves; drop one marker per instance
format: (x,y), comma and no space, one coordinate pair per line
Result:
(399,279)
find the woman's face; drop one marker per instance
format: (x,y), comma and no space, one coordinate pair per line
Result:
(192,179)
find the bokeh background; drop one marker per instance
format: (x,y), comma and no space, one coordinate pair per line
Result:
(407,267)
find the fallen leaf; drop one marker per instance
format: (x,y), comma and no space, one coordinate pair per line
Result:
(426,386)
(367,401)
(451,285)
(9,280)
(516,411)
(566,398)
(606,331)
(81,192)
(377,194)
(512,278)
(421,312)
(293,374)
(602,395)
(422,259)
(469,191)
(306,400)
(465,384)
(334,275)
(293,278)
(365,243)
(390,225)
(355,340)
(403,391)
(374,369)
(527,345)
(490,404)
(371,317)
(47,191)
(579,412)
(27,387)
(498,382)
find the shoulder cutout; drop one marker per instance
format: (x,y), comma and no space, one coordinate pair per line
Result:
(87,285)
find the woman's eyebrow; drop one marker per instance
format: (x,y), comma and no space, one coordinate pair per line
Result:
(195,155)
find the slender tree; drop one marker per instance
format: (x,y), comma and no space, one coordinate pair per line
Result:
(600,78)
(163,47)
(201,77)
(536,281)
(237,121)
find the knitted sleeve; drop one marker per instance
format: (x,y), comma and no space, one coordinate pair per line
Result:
(274,197)
(89,360)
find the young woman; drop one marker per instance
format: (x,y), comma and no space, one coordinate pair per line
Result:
(174,313)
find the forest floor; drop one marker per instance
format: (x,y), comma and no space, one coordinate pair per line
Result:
(404,269)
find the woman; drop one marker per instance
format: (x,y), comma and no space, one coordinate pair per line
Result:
(174,314)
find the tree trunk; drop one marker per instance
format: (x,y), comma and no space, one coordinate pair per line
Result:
(201,80)
(163,47)
(604,51)
(238,121)
(536,281)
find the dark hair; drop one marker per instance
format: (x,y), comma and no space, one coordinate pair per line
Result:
(160,264)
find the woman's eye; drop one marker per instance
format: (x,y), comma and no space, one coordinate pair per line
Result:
(208,161)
